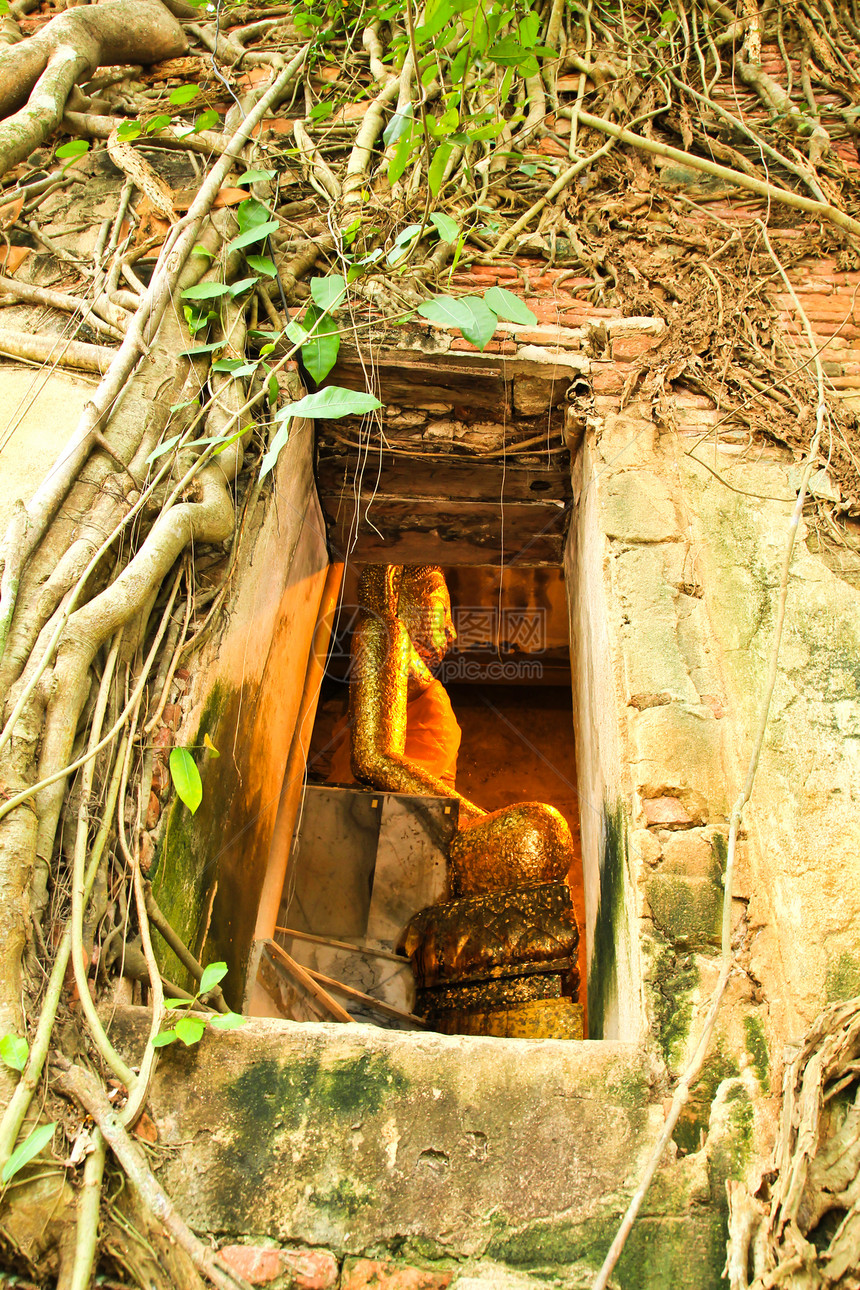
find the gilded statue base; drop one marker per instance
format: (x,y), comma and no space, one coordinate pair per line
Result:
(503,963)
(539,1019)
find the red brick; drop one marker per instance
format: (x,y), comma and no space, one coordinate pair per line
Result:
(256,1264)
(626,348)
(259,1265)
(312,1269)
(364,1274)
(665,811)
(608,379)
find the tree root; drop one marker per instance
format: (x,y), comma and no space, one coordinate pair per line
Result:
(70,46)
(80,1085)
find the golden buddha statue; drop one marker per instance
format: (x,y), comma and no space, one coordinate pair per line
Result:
(505,941)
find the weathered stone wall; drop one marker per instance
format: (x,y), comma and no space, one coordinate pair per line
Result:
(244,694)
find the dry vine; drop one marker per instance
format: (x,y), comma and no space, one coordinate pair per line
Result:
(415,142)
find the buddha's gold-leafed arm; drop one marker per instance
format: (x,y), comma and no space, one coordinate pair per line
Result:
(381,662)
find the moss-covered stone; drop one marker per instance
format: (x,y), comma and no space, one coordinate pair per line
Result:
(695,1118)
(757,1048)
(603,970)
(662,1252)
(687,911)
(843,978)
(674,980)
(184,873)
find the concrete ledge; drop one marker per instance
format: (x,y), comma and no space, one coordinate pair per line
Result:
(351,1137)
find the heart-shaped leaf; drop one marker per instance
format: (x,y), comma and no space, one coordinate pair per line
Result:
(14,1052)
(507,305)
(190,1030)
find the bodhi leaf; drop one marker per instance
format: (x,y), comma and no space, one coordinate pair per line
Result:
(206,291)
(447,311)
(190,1030)
(184,94)
(186,778)
(328,291)
(332,402)
(228,1021)
(482,323)
(255,233)
(507,305)
(212,974)
(319,353)
(446,227)
(14,1052)
(164,1038)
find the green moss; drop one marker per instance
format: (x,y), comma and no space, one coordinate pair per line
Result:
(686,911)
(730,1154)
(693,1122)
(663,1252)
(603,970)
(182,874)
(842,980)
(674,981)
(757,1048)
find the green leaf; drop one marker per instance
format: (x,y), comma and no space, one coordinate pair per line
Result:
(190,1030)
(437,16)
(186,778)
(437,166)
(320,111)
(668,18)
(75,148)
(446,227)
(262,264)
(447,311)
(228,1021)
(482,324)
(234,366)
(208,744)
(327,292)
(163,447)
(157,123)
(296,333)
(254,234)
(184,94)
(406,145)
(206,291)
(4,7)
(236,288)
(281,438)
(128,130)
(273,390)
(30,1147)
(199,350)
(332,402)
(256,176)
(212,974)
(251,213)
(507,305)
(163,1038)
(14,1052)
(173,1004)
(319,353)
(202,250)
(399,122)
(206,121)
